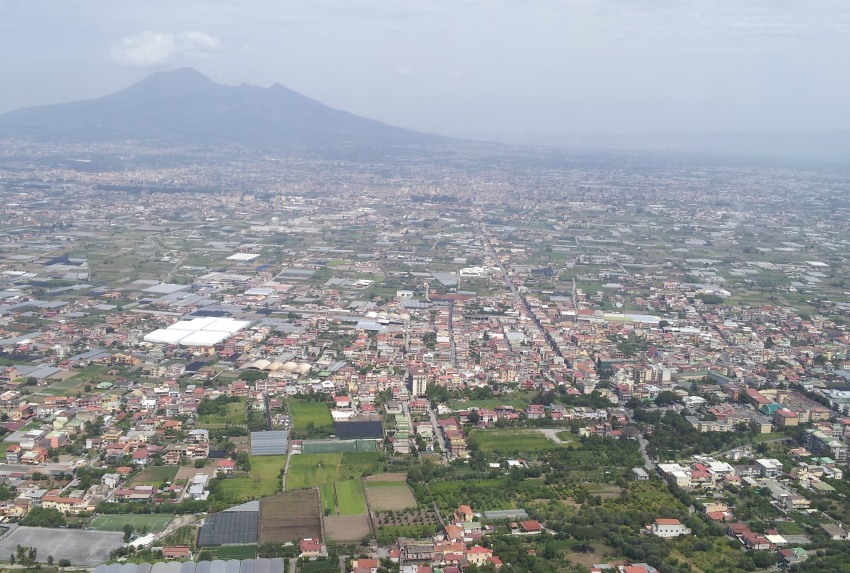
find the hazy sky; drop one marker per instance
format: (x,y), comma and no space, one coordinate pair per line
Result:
(502,69)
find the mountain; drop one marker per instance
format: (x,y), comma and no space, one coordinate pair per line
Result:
(185,107)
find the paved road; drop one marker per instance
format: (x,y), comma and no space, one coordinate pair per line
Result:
(642,442)
(438,433)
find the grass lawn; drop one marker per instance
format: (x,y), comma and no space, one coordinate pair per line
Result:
(511,440)
(149,521)
(264,480)
(155,475)
(235,416)
(303,413)
(351,498)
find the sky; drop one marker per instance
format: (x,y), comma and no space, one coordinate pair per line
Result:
(509,70)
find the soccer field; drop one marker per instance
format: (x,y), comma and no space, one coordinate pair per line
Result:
(150,522)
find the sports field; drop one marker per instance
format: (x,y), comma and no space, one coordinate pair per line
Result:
(150,522)
(265,479)
(305,413)
(527,441)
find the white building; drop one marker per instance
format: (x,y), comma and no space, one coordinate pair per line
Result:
(668,528)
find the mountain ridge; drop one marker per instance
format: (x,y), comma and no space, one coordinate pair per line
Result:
(185,106)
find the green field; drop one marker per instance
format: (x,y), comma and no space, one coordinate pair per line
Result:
(350,496)
(155,475)
(518,400)
(140,522)
(567,436)
(322,566)
(235,416)
(305,413)
(311,470)
(326,492)
(506,441)
(264,480)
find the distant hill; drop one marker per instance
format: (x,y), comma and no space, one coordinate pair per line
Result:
(185,107)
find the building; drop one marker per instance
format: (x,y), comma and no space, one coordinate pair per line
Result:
(418,381)
(668,528)
(769,468)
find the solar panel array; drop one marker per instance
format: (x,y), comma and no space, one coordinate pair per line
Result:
(217,566)
(230,528)
(271,443)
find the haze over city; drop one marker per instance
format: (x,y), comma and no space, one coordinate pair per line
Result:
(425,287)
(536,72)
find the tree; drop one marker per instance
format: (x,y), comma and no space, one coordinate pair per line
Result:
(128,532)
(64,563)
(50,559)
(666,397)
(474,418)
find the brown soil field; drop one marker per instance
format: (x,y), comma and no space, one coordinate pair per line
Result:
(389,498)
(290,516)
(188,472)
(347,528)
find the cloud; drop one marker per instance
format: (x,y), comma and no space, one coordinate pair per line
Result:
(151,49)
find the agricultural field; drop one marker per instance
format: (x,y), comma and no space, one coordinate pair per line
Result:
(290,516)
(319,566)
(305,413)
(264,480)
(350,497)
(149,522)
(311,470)
(347,528)
(226,552)
(388,495)
(155,475)
(509,441)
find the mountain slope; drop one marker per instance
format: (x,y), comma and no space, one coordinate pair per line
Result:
(183,106)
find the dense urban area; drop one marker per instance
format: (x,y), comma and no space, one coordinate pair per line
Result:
(471,362)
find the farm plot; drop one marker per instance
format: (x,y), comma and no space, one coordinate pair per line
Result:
(507,441)
(311,470)
(389,495)
(290,516)
(347,528)
(306,413)
(264,480)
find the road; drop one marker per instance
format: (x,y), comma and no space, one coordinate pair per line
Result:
(439,433)
(642,442)
(520,299)
(650,465)
(453,354)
